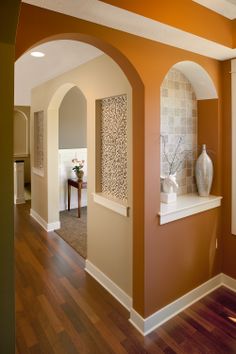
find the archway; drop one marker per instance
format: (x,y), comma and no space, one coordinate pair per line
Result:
(52,154)
(100,79)
(106,45)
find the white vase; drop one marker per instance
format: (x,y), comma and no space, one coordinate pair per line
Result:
(204,173)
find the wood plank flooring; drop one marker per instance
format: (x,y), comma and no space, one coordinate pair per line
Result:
(62,310)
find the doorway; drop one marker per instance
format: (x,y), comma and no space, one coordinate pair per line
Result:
(72,144)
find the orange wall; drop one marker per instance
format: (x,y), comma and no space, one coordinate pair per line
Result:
(185,15)
(171,259)
(229,246)
(209,131)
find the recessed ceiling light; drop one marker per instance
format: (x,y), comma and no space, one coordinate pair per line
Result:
(37,54)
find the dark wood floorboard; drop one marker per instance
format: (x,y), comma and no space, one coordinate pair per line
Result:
(62,310)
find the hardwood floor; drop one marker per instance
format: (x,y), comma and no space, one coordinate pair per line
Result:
(60,309)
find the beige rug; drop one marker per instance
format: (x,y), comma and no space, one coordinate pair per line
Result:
(74,230)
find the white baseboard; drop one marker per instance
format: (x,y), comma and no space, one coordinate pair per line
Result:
(109,285)
(147,325)
(228,282)
(46,226)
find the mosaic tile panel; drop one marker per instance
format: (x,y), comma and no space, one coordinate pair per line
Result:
(38,139)
(179,119)
(114,147)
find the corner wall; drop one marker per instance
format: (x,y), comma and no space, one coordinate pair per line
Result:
(170,260)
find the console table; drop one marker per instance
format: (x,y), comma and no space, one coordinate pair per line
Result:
(79,185)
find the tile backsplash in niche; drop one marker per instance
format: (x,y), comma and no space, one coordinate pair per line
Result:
(179,118)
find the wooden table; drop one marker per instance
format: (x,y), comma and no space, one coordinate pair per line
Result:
(79,185)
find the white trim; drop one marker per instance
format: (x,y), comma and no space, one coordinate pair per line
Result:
(109,203)
(186,205)
(108,284)
(233,178)
(47,227)
(147,325)
(229,282)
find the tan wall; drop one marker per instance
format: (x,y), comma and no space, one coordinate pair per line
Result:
(109,234)
(154,247)
(72,120)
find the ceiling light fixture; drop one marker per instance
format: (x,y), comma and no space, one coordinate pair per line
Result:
(37,54)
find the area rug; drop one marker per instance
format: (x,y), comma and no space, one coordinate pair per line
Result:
(74,230)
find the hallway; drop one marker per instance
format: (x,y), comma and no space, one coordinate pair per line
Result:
(61,310)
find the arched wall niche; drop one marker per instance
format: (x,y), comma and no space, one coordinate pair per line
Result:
(187,95)
(21,134)
(199,78)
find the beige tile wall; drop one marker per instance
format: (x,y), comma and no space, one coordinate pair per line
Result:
(179,119)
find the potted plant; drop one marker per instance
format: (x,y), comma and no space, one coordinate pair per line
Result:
(78,168)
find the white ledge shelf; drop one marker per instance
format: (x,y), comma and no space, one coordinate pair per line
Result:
(113,204)
(186,205)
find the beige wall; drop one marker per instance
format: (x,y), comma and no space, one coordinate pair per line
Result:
(21,146)
(109,234)
(72,120)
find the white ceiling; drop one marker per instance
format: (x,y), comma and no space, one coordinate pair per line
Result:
(60,56)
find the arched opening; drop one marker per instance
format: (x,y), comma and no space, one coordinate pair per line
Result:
(188,96)
(72,144)
(101,83)
(56,182)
